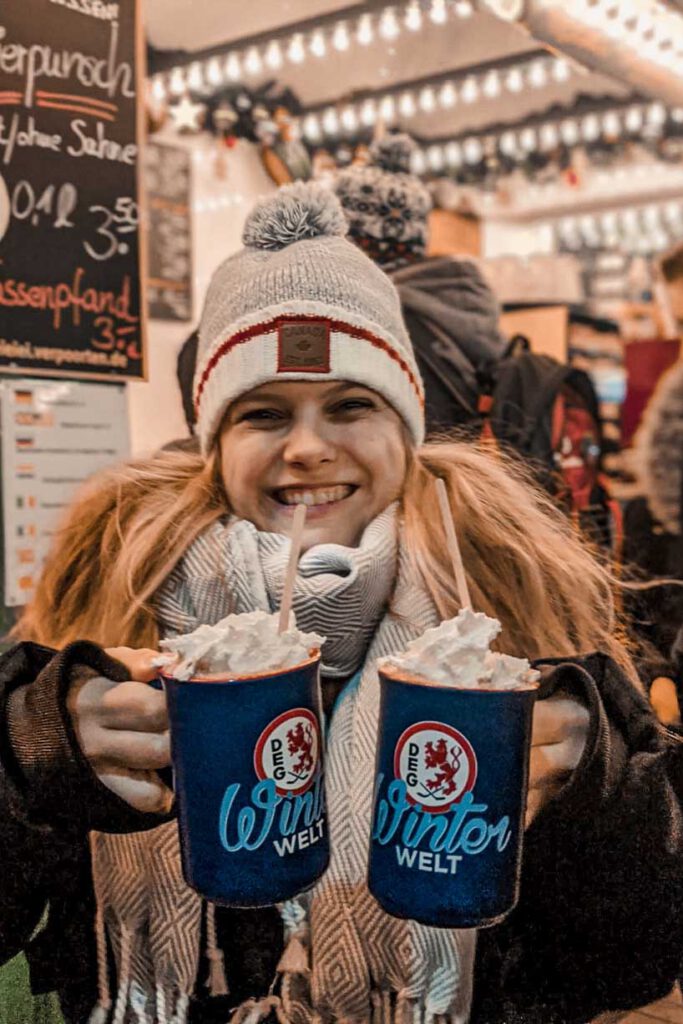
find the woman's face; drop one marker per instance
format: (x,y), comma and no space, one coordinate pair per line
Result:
(336,447)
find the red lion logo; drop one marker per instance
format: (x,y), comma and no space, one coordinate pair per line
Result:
(447,762)
(300,741)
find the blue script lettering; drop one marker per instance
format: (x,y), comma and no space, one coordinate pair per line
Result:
(248,827)
(458,830)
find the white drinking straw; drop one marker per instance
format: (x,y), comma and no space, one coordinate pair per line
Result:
(298,524)
(453,546)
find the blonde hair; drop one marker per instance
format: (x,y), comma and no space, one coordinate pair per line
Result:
(525,564)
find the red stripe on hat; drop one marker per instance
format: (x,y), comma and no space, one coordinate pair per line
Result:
(334,325)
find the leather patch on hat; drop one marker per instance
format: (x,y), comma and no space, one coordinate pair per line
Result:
(304,346)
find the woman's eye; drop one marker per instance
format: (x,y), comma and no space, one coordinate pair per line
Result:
(261,416)
(354,405)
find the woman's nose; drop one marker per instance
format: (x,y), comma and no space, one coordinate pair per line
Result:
(308,445)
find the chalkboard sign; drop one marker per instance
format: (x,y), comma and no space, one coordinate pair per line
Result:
(70,259)
(169,281)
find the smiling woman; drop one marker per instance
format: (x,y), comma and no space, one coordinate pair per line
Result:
(338,448)
(307,391)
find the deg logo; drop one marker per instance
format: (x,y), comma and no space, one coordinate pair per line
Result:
(437,764)
(288,752)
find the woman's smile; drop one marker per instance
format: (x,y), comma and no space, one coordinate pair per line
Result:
(319,500)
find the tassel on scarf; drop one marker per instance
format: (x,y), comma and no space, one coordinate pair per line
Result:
(294,959)
(218,983)
(100,1013)
(376,1000)
(386,1006)
(253,1011)
(124,980)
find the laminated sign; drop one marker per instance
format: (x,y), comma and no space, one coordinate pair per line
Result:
(70,290)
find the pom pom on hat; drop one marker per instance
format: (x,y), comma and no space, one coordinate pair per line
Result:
(292,214)
(393,153)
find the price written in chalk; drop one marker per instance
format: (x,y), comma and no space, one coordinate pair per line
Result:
(113,337)
(123,219)
(57,205)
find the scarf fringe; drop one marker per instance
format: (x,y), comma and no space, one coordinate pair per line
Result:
(101,1011)
(218,983)
(294,959)
(124,980)
(255,1010)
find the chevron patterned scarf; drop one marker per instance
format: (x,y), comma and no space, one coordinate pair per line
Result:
(346,959)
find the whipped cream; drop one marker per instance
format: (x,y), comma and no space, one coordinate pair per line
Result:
(238,645)
(456,653)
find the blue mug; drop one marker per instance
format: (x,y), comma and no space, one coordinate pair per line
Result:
(451,780)
(247,758)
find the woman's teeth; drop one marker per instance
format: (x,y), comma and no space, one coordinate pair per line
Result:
(316,496)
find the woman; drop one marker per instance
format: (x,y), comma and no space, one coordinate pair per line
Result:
(306,390)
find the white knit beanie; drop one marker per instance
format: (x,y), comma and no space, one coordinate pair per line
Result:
(300,302)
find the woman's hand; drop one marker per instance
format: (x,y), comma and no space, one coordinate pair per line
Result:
(123,730)
(558,740)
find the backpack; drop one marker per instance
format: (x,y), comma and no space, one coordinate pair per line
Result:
(548,412)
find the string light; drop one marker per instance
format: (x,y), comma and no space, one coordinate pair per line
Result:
(473,151)
(177,85)
(365,34)
(158,88)
(464,9)
(317,45)
(330,121)
(311,128)
(645,229)
(448,95)
(611,124)
(508,144)
(195,78)
(233,68)
(389,27)
(435,158)
(274,58)
(491,86)
(527,140)
(590,128)
(538,76)
(656,114)
(418,162)
(549,136)
(413,17)
(296,51)
(349,119)
(438,12)
(453,153)
(252,62)
(368,113)
(514,81)
(406,105)
(214,75)
(489,82)
(340,37)
(470,90)
(387,108)
(634,120)
(561,70)
(427,100)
